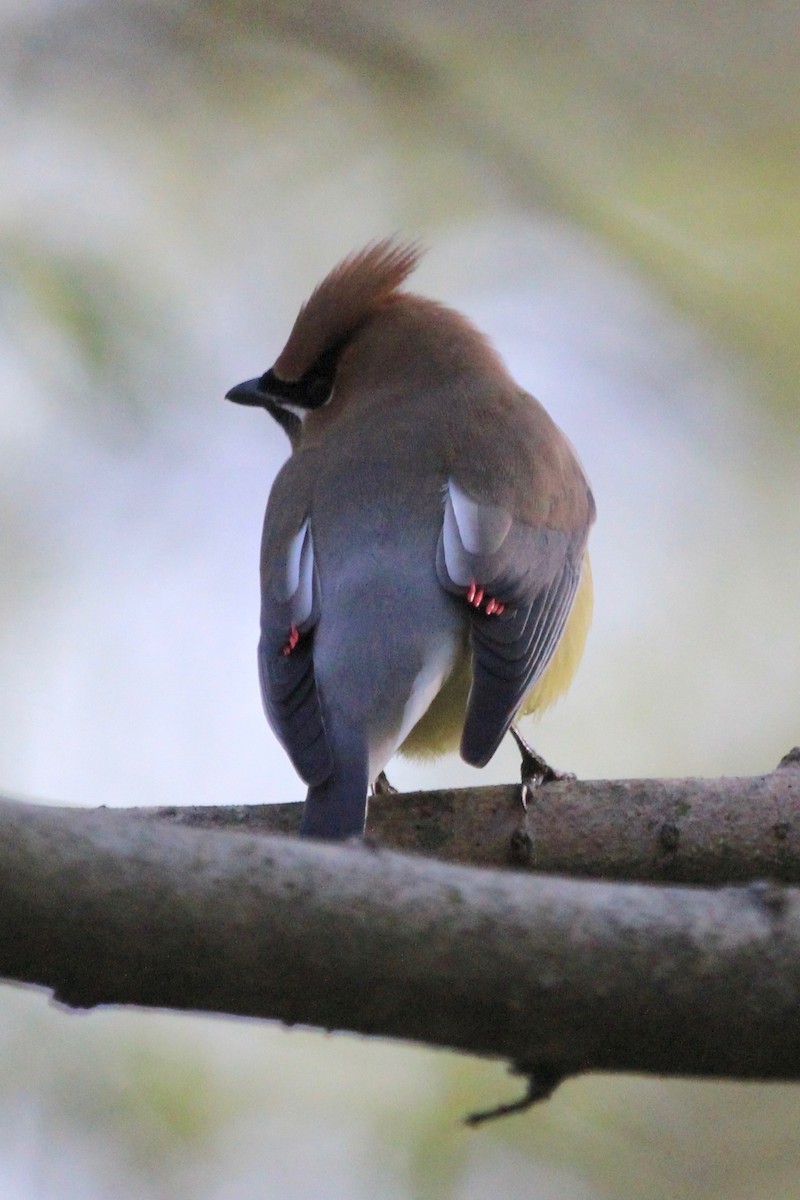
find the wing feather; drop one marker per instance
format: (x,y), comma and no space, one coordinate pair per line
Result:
(534,572)
(290,600)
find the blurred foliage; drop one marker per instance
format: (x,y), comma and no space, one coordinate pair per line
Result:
(91,338)
(671,130)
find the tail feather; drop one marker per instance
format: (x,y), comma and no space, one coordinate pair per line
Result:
(337,809)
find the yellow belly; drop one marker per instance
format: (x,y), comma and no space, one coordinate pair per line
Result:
(438,731)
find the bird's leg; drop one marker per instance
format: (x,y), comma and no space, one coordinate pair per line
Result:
(382,787)
(534,770)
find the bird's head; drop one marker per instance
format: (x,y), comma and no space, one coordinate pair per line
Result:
(303,377)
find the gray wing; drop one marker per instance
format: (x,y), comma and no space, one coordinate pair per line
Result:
(534,572)
(290,600)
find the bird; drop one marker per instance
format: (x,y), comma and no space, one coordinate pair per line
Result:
(424,570)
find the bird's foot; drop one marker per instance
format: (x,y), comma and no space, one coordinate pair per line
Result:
(476,596)
(382,787)
(534,770)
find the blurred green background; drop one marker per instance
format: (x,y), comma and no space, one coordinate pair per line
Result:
(611,191)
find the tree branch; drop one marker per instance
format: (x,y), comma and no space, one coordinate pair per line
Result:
(558,976)
(660,830)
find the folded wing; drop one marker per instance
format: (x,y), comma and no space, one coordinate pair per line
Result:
(289,615)
(533,572)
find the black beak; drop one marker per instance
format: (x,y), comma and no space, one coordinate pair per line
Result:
(255,394)
(248,393)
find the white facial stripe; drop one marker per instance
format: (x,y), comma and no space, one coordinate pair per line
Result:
(297,410)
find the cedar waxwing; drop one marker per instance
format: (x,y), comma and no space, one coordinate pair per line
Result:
(424,574)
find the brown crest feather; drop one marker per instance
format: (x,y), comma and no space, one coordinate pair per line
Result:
(346,296)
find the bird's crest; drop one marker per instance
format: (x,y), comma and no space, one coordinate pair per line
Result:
(346,296)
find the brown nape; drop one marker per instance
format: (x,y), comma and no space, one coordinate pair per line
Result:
(344,299)
(420,344)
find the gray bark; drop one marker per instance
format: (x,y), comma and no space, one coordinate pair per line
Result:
(556,975)
(658,830)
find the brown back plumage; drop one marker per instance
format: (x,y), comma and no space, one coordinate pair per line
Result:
(346,296)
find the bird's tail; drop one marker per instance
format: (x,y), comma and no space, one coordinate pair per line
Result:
(337,809)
